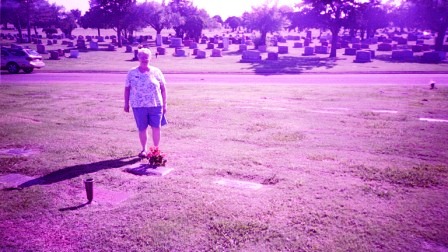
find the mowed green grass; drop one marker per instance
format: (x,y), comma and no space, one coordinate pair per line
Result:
(335,175)
(293,62)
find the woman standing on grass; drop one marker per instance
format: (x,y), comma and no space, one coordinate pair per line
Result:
(145,92)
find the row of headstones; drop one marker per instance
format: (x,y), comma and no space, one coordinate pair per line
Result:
(40,48)
(362,56)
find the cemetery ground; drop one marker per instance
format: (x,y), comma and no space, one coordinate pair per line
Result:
(281,167)
(294,61)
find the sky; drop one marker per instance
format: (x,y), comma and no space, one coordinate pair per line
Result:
(224,8)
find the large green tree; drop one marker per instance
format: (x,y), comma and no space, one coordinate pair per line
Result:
(433,15)
(68,21)
(94,18)
(158,15)
(332,15)
(234,22)
(115,11)
(265,19)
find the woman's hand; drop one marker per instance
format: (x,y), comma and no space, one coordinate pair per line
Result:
(126,108)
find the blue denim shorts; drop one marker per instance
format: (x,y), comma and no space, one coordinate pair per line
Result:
(148,116)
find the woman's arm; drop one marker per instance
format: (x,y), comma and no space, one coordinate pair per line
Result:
(127,91)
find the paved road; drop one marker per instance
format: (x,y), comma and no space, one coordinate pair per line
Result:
(210,79)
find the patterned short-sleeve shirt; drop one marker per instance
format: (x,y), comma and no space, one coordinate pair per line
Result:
(145,87)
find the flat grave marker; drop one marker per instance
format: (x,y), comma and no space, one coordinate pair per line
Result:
(239,184)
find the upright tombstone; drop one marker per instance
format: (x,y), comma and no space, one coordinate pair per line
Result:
(54,55)
(308,51)
(242,47)
(225,43)
(321,50)
(41,49)
(250,57)
(49,42)
(193,45)
(402,55)
(263,48)
(180,53)
(308,35)
(216,53)
(81,44)
(111,47)
(176,42)
(282,49)
(431,57)
(307,42)
(74,54)
(363,56)
(350,51)
(161,50)
(128,49)
(385,47)
(201,54)
(298,45)
(100,39)
(93,45)
(165,41)
(272,56)
(356,46)
(210,46)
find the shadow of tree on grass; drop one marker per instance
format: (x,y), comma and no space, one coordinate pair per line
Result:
(78,170)
(290,64)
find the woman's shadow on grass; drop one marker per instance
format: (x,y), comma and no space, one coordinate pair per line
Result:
(78,170)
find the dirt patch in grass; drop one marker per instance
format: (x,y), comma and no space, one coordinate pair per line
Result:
(356,180)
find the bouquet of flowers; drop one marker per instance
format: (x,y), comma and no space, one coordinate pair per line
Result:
(156,157)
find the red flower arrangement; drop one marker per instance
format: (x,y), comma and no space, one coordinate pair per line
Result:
(156,157)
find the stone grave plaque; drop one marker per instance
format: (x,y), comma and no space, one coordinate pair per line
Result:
(239,184)
(146,170)
(13,180)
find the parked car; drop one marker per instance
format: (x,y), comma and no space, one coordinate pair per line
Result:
(14,59)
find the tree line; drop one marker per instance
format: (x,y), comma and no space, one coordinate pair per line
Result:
(359,18)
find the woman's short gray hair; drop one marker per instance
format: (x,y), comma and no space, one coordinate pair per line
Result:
(144,51)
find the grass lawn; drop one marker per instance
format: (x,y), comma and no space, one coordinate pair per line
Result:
(341,168)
